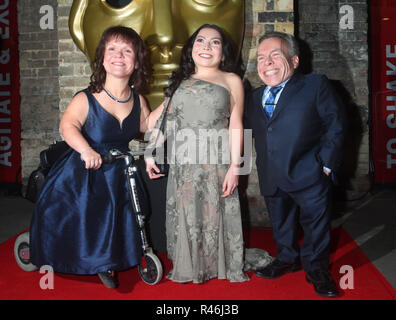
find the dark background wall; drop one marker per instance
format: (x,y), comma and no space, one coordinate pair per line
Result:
(342,55)
(39,70)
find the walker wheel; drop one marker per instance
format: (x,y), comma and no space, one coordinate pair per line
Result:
(150,269)
(22,252)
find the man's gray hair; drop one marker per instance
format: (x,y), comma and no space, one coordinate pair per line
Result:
(288,38)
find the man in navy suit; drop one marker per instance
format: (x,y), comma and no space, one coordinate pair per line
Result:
(298,126)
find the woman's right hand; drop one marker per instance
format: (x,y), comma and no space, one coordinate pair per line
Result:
(152,169)
(92,159)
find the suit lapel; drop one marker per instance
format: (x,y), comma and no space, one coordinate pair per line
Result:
(257,101)
(291,88)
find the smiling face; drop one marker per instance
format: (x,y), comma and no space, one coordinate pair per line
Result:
(207,50)
(119,58)
(274,63)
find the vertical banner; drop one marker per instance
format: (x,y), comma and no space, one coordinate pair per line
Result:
(383,77)
(10,131)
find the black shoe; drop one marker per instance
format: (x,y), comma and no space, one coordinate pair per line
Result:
(109,279)
(277,269)
(323,283)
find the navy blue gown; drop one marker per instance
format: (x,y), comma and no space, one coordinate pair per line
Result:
(83,221)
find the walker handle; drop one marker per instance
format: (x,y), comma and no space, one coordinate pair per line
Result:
(115,154)
(108,158)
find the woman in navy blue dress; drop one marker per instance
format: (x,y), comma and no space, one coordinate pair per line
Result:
(83,221)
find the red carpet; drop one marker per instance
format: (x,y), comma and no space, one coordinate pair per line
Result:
(369,284)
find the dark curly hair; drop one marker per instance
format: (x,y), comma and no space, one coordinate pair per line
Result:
(187,65)
(140,78)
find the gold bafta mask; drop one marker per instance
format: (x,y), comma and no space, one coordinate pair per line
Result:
(164,25)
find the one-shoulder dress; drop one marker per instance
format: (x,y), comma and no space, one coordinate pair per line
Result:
(83,221)
(204,230)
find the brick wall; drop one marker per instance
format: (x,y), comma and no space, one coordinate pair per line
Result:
(341,54)
(38,51)
(263,16)
(74,69)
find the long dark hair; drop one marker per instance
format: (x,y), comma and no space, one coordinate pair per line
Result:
(187,65)
(140,77)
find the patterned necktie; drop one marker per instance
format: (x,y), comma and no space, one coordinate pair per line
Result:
(269,104)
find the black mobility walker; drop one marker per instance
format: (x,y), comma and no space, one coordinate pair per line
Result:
(150,268)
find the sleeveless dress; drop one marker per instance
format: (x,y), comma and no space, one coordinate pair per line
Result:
(83,221)
(204,231)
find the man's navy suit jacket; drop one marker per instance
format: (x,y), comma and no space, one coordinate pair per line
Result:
(305,133)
